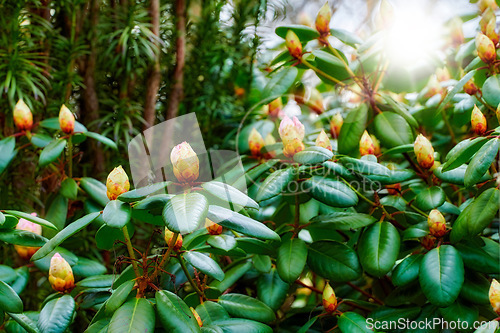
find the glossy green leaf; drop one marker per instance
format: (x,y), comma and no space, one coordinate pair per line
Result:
(334,261)
(477,258)
(7,274)
(31,218)
(9,300)
(142,192)
(460,311)
(106,237)
(262,263)
(491,90)
(275,183)
(291,260)
(304,33)
(455,176)
(430,198)
(351,322)
(97,281)
(40,140)
(7,152)
(280,83)
(223,242)
(313,155)
(442,275)
(21,237)
(185,213)
(137,315)
(87,267)
(69,188)
(343,220)
(95,189)
(102,139)
(243,306)
(231,276)
(211,312)
(331,192)
(117,214)
(57,214)
(365,167)
(331,65)
(51,152)
(174,314)
(481,162)
(475,289)
(242,326)
(25,322)
(346,37)
(407,270)
(392,130)
(118,297)
(204,264)
(230,194)
(462,153)
(352,130)
(57,314)
(271,289)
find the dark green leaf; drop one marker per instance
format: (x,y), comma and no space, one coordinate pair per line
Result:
(392,130)
(118,297)
(210,312)
(137,315)
(462,153)
(51,152)
(7,152)
(491,90)
(407,270)
(331,192)
(21,237)
(69,188)
(31,218)
(57,314)
(352,130)
(101,138)
(243,306)
(185,213)
(275,183)
(351,322)
(430,198)
(205,264)
(9,300)
(292,257)
(344,220)
(313,155)
(272,290)
(95,189)
(334,261)
(174,314)
(117,214)
(481,162)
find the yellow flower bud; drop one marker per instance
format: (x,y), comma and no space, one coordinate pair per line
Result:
(196,316)
(433,87)
(60,274)
(255,142)
(293,44)
(292,133)
(437,223)
(269,140)
(486,17)
(478,121)
(424,152)
(168,239)
(213,228)
(66,120)
(442,74)
(26,252)
(23,118)
(323,20)
(490,31)
(470,87)
(376,145)
(315,102)
(185,163)
(336,124)
(329,299)
(456,31)
(323,141)
(485,4)
(485,48)
(275,107)
(494,295)
(117,183)
(366,146)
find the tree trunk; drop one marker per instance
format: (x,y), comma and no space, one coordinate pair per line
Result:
(178,89)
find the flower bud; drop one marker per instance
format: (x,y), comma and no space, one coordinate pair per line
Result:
(478,121)
(497,113)
(275,107)
(494,295)
(433,87)
(60,274)
(485,48)
(168,239)
(185,163)
(292,133)
(393,189)
(366,146)
(485,4)
(456,31)
(424,152)
(255,142)
(437,223)
(329,300)
(323,141)
(323,20)
(490,31)
(293,44)
(25,252)
(470,87)
(213,228)
(486,17)
(442,74)
(196,316)
(428,242)
(305,19)
(117,183)
(269,140)
(23,118)
(66,120)
(315,102)
(336,124)
(376,145)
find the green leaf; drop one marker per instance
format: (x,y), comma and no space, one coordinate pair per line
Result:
(399,150)
(51,152)
(352,130)
(117,214)
(118,297)
(64,234)
(475,289)
(346,37)
(392,130)
(7,274)
(231,276)
(44,263)
(69,189)
(57,314)
(442,275)
(275,183)
(481,162)
(9,300)
(185,213)
(205,264)
(343,220)
(407,270)
(331,192)
(304,33)
(95,189)
(53,123)
(351,322)
(280,82)
(313,155)
(477,258)
(243,306)
(211,312)
(87,267)
(262,263)
(378,248)
(491,90)
(142,192)
(455,176)
(135,316)
(97,281)
(334,261)
(57,214)
(462,153)
(241,326)
(101,138)
(107,236)
(430,198)
(460,312)
(223,242)
(271,289)
(40,140)
(25,322)
(174,314)
(291,260)
(21,237)
(455,90)
(7,152)
(230,194)
(31,218)
(331,65)
(240,223)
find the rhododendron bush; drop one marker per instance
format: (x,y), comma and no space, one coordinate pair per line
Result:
(358,195)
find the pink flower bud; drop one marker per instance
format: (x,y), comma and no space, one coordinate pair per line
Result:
(117,183)
(478,121)
(424,152)
(23,118)
(366,146)
(485,48)
(185,163)
(323,141)
(323,20)
(255,142)
(60,274)
(66,120)
(329,299)
(336,124)
(168,239)
(494,296)
(26,252)
(213,228)
(292,133)
(293,44)
(437,223)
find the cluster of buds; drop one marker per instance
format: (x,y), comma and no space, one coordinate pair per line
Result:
(424,152)
(168,239)
(274,109)
(323,22)
(292,134)
(487,4)
(60,274)
(494,296)
(212,227)
(185,162)
(485,48)
(488,25)
(26,252)
(393,189)
(23,118)
(323,141)
(329,299)
(437,223)
(117,183)
(66,120)
(196,316)
(293,44)
(336,124)
(428,242)
(366,145)
(478,121)
(470,87)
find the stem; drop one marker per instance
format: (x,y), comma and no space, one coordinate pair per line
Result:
(448,126)
(361,195)
(166,257)
(70,157)
(131,251)
(190,279)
